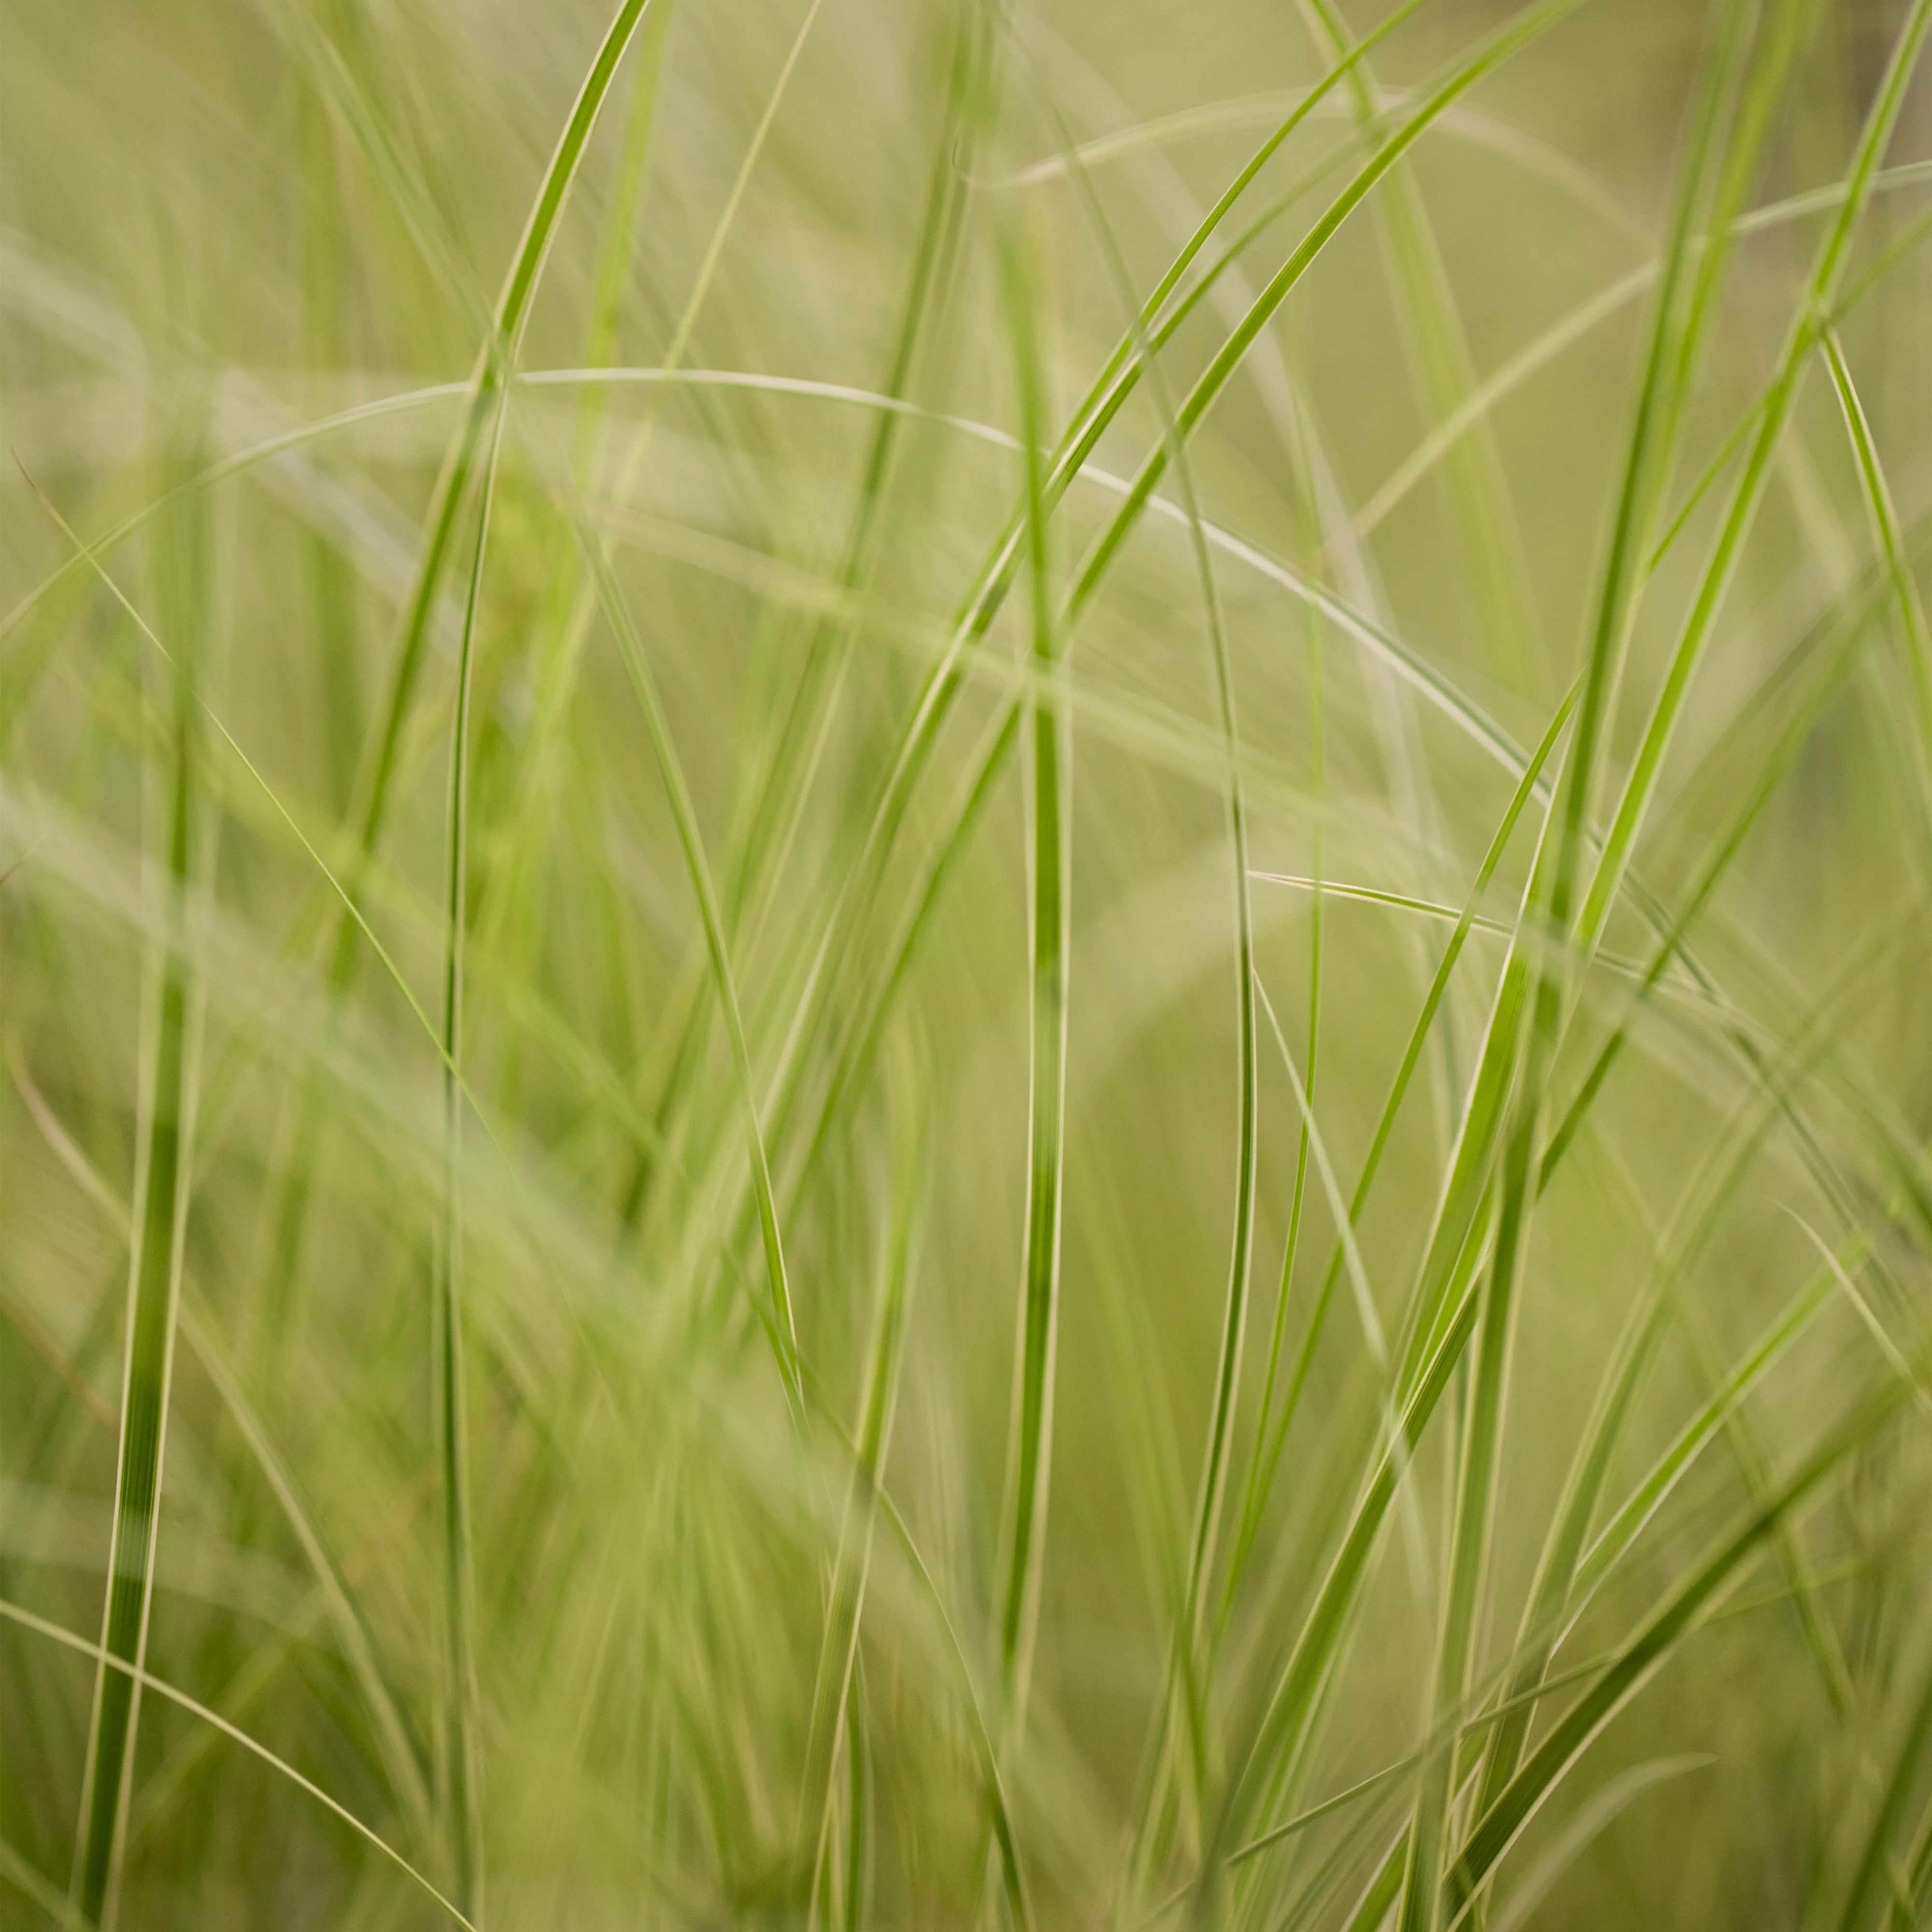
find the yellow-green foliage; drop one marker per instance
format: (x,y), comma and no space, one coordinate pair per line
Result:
(963,963)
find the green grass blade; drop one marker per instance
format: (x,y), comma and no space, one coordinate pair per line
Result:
(1885,527)
(162,1190)
(1838,654)
(461,1746)
(1440,354)
(762,836)
(1656,406)
(1278,1733)
(1050,876)
(495,360)
(783,1327)
(1821,288)
(1671,343)
(835,1686)
(1591,1821)
(1491,54)
(146,1681)
(1642,1657)
(1872,1882)
(1189,1663)
(1385,1124)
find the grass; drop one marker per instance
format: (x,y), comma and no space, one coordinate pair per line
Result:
(673,943)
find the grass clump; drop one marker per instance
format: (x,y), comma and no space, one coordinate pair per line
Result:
(673,944)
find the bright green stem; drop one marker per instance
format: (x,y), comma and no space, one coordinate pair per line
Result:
(1891,543)
(1822,289)
(1482,1443)
(1642,1656)
(1491,54)
(495,361)
(1276,1438)
(1669,348)
(1261,1464)
(1669,359)
(1103,401)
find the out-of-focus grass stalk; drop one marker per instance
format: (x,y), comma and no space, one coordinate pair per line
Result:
(286,1215)
(1440,354)
(1049,873)
(778,1317)
(461,1747)
(762,835)
(1189,1664)
(163,1185)
(510,921)
(836,1692)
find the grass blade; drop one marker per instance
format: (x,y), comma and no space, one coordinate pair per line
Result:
(1050,876)
(162,1185)
(495,362)
(461,1758)
(834,1690)
(1822,285)
(1645,1653)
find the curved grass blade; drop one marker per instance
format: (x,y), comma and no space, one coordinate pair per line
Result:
(1841,653)
(495,361)
(1261,1482)
(1669,355)
(146,1681)
(1189,1663)
(1645,1653)
(1822,289)
(1885,527)
(1591,1821)
(1439,354)
(1490,54)
(1481,403)
(461,1746)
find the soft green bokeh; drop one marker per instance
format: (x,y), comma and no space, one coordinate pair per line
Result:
(864,1499)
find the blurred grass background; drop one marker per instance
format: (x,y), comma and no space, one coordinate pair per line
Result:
(687,1043)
